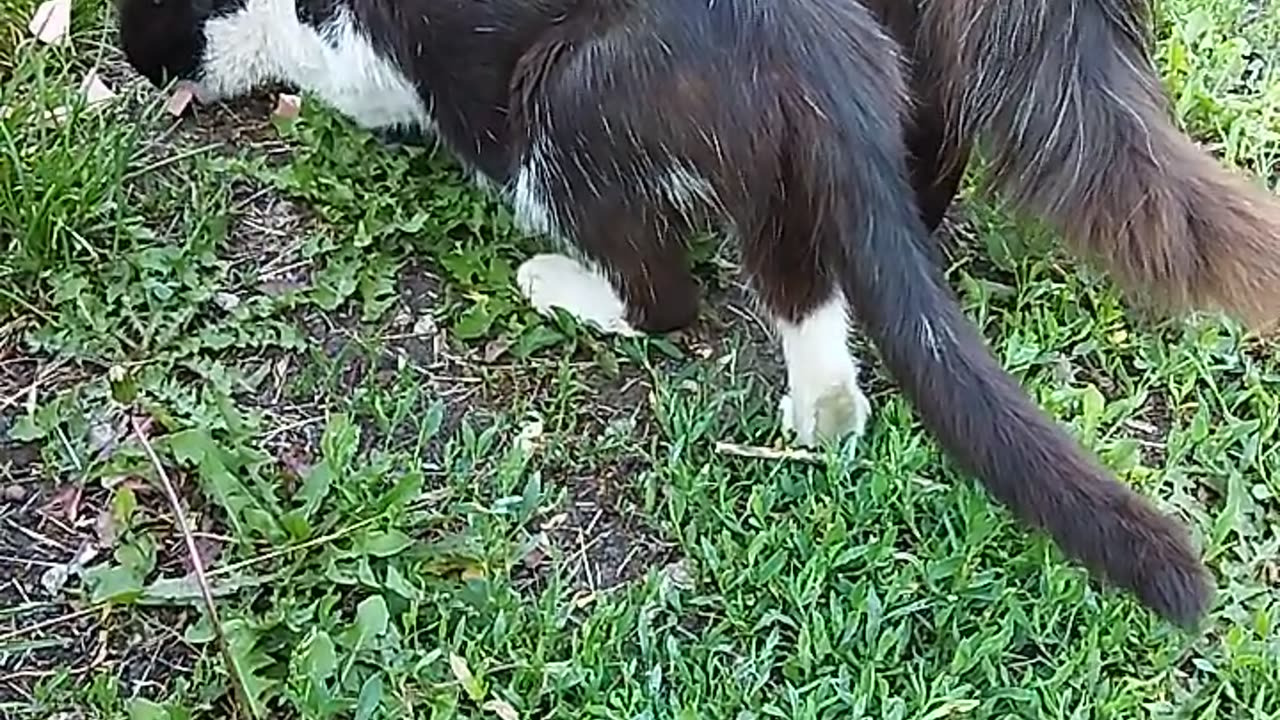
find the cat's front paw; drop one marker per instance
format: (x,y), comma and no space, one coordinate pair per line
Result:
(550,281)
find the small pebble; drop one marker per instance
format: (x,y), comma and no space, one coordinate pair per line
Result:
(14,493)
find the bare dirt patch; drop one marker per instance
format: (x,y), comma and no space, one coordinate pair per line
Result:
(597,538)
(48,627)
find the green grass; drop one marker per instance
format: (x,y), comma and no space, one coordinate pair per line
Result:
(416,498)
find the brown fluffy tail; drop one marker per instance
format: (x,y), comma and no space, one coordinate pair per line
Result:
(1080,135)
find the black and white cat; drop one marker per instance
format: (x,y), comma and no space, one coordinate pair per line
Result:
(616,126)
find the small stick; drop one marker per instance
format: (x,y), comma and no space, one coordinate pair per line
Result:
(42,376)
(43,624)
(197,566)
(764,453)
(323,540)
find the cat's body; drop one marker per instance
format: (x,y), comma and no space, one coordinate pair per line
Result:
(617,126)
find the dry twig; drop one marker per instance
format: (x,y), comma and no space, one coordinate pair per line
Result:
(764,453)
(197,565)
(45,624)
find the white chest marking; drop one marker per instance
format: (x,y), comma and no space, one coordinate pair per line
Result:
(337,62)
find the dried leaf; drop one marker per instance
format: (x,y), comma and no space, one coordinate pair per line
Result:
(678,574)
(529,439)
(105,434)
(106,527)
(227,301)
(54,578)
(14,493)
(95,93)
(502,709)
(95,90)
(425,326)
(295,463)
(462,673)
(66,503)
(537,551)
(209,549)
(51,23)
(287,106)
(496,349)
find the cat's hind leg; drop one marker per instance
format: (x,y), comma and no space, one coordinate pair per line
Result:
(824,401)
(794,274)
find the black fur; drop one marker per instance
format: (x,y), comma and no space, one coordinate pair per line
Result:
(792,111)
(163,40)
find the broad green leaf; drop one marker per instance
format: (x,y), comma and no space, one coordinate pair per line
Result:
(200,632)
(247,661)
(340,441)
(462,672)
(370,698)
(191,446)
(315,488)
(138,556)
(371,618)
(397,584)
(185,589)
(321,659)
(384,544)
(113,584)
(123,503)
(144,709)
(531,496)
(406,489)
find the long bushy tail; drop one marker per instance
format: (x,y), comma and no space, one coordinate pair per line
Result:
(1080,135)
(852,158)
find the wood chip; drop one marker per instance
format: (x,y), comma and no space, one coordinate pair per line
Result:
(287,106)
(180,99)
(764,453)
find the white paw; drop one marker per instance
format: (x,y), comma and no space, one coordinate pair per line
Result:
(830,414)
(550,281)
(824,402)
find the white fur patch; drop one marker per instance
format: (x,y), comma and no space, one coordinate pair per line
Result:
(687,190)
(530,200)
(265,42)
(550,281)
(824,401)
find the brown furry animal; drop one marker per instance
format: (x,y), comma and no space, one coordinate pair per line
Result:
(1079,134)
